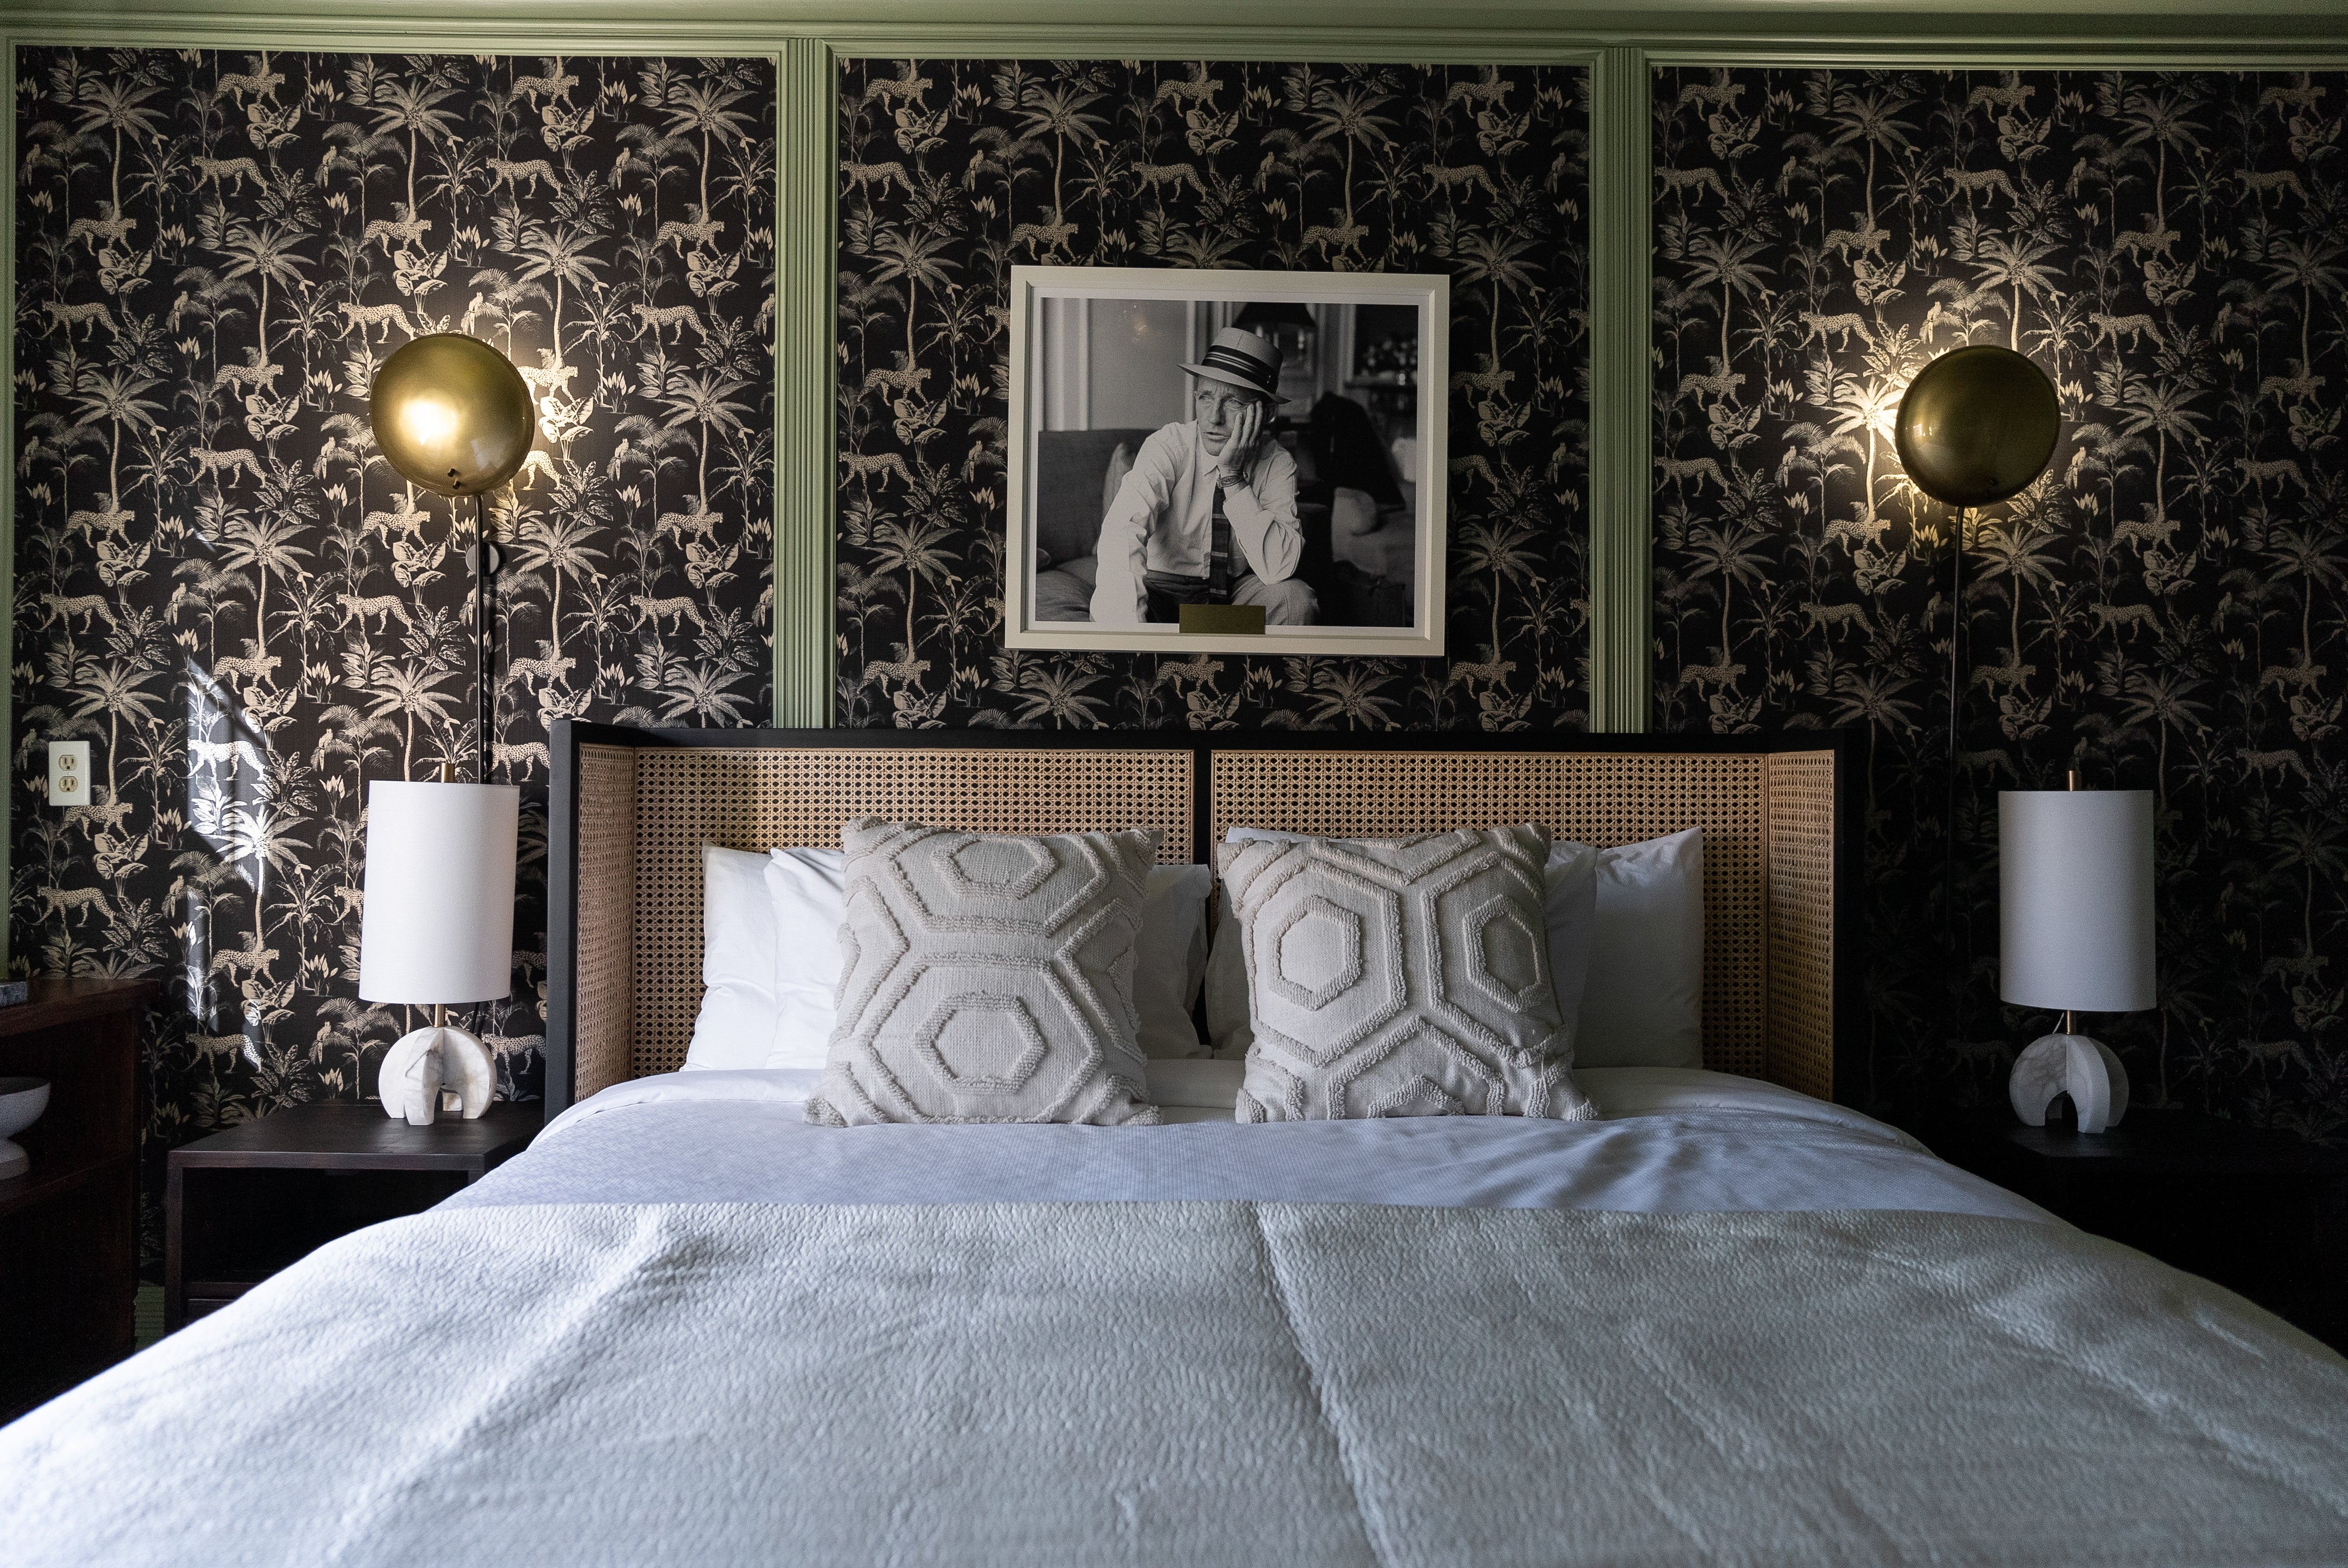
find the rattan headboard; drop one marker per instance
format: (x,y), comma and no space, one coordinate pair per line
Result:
(632,808)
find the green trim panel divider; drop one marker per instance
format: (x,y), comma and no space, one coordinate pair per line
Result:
(1621,420)
(806,194)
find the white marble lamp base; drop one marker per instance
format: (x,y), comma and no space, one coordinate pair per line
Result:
(2071,1064)
(423,1066)
(22,1100)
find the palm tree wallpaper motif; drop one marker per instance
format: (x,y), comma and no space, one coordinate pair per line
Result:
(954,171)
(222,583)
(2163,610)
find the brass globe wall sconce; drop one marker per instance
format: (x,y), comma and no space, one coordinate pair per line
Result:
(455,418)
(1976,426)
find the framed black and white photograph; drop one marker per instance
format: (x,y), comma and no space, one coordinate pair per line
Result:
(1226,462)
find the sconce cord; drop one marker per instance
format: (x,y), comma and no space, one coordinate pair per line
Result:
(485,695)
(1956,701)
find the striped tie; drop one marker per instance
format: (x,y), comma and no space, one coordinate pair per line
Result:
(1218,569)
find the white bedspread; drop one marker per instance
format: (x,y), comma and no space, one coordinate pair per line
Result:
(1681,1141)
(1193,1384)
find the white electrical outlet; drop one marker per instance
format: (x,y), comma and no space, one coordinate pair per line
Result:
(68,773)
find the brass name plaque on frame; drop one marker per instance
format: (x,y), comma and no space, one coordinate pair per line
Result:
(1223,619)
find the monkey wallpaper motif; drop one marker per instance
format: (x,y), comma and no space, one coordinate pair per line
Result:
(2162,611)
(952,172)
(222,585)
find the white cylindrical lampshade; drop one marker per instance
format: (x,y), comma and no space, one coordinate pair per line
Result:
(2074,892)
(438,922)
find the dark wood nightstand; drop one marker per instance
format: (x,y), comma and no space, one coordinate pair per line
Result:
(241,1204)
(2264,1214)
(69,1224)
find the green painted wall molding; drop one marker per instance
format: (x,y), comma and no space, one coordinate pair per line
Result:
(1621,421)
(1236,27)
(806,194)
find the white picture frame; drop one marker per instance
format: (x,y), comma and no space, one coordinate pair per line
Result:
(1092,344)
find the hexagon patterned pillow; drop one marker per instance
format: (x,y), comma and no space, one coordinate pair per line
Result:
(987,977)
(1399,977)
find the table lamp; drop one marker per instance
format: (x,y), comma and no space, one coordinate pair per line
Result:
(2074,890)
(437,928)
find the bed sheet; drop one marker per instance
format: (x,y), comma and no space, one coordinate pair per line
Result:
(1673,1141)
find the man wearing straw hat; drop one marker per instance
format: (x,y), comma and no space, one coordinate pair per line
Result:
(1208,516)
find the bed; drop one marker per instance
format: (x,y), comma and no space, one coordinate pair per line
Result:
(1728,1320)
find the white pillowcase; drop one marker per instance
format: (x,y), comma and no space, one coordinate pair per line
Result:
(736,1026)
(1569,911)
(809,888)
(1172,959)
(1625,945)
(809,894)
(1196,1085)
(1644,1004)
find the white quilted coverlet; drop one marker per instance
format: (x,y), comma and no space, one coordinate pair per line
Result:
(1200,1383)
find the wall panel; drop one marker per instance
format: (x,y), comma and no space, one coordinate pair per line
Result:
(220,583)
(954,171)
(2164,610)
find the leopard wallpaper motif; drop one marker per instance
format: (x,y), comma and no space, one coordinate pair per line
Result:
(952,172)
(2162,611)
(221,584)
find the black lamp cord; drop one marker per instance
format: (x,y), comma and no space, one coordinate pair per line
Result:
(485,694)
(1956,709)
(484,665)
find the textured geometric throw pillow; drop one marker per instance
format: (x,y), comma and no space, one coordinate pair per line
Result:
(1399,977)
(985,978)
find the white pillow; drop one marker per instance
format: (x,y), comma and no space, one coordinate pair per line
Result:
(807,889)
(736,1026)
(1568,909)
(1198,1085)
(1644,1004)
(1172,959)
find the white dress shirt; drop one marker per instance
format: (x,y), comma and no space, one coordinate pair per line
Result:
(1163,519)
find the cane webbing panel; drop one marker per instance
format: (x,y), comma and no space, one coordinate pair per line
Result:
(607,919)
(755,799)
(1801,815)
(1592,797)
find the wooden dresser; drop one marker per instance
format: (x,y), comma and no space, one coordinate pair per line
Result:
(68,1225)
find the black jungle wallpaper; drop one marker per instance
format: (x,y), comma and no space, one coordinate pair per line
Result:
(222,585)
(2162,611)
(952,172)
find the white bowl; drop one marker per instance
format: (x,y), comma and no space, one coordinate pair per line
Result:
(22,1100)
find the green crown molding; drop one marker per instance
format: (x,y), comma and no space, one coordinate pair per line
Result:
(1496,31)
(1229,21)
